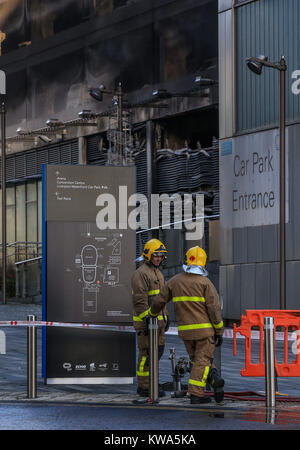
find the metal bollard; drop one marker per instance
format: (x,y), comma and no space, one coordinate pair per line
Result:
(153,338)
(269,362)
(31,358)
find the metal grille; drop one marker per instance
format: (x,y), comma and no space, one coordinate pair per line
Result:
(20,166)
(31,166)
(28,164)
(94,154)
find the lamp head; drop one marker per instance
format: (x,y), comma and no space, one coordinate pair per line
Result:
(85,114)
(256,66)
(21,132)
(54,123)
(160,93)
(198,79)
(97,93)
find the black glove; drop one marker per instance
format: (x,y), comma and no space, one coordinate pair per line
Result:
(167,323)
(218,340)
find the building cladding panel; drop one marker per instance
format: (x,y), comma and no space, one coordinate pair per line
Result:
(226,96)
(249,266)
(270,28)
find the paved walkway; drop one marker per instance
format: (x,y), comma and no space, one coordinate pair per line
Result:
(13,373)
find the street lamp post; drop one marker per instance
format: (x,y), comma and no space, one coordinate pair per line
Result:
(97,94)
(255,65)
(3,161)
(120,120)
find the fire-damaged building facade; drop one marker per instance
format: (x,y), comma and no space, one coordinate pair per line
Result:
(86,78)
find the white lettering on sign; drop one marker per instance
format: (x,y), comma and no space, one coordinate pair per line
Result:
(296,84)
(190,207)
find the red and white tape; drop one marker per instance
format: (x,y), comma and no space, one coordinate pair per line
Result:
(38,323)
(228,333)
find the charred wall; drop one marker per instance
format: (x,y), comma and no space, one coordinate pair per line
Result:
(53,51)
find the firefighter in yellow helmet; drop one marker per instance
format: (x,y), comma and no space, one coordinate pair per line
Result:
(146,283)
(199,319)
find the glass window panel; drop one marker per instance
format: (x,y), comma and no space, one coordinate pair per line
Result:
(10,196)
(31,192)
(31,222)
(10,224)
(10,221)
(31,218)
(20,213)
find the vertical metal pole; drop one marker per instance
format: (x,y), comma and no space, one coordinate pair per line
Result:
(31,358)
(153,382)
(120,124)
(149,154)
(24,279)
(271,416)
(269,362)
(17,281)
(3,186)
(282,184)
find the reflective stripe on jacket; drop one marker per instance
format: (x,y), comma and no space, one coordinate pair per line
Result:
(196,303)
(146,283)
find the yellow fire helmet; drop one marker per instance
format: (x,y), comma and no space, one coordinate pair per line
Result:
(195,256)
(153,246)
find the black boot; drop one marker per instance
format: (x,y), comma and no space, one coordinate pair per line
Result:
(217,383)
(161,392)
(200,400)
(144,392)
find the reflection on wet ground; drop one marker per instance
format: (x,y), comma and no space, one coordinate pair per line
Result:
(276,416)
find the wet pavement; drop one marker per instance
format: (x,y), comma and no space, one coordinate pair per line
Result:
(236,412)
(58,416)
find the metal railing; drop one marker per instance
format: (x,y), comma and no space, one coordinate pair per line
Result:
(28,277)
(23,250)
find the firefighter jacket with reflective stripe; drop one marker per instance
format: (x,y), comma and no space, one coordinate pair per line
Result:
(196,303)
(146,283)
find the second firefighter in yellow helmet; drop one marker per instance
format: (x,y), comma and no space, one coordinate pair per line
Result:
(199,319)
(195,261)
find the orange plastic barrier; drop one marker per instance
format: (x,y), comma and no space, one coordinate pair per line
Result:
(255,318)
